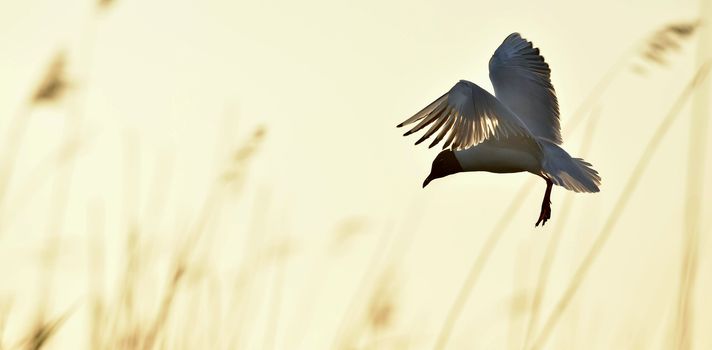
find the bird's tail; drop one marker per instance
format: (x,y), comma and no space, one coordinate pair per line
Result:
(574,174)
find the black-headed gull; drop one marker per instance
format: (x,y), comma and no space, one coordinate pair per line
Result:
(516,131)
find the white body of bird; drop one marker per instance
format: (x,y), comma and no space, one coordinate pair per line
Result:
(501,156)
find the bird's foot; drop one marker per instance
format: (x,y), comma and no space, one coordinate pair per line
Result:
(544,215)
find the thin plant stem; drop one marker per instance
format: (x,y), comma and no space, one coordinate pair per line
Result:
(618,208)
(552,246)
(595,94)
(270,339)
(395,245)
(11,148)
(692,225)
(59,197)
(96,271)
(479,264)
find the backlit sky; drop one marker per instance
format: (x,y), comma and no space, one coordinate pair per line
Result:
(189,80)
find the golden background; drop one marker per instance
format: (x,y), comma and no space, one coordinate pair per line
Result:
(227,174)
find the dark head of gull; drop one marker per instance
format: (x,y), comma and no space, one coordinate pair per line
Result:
(444,164)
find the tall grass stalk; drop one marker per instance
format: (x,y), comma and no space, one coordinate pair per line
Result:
(277,289)
(62,184)
(30,184)
(692,225)
(665,39)
(96,274)
(552,246)
(391,245)
(618,208)
(41,333)
(10,149)
(478,265)
(270,339)
(196,234)
(5,307)
(49,90)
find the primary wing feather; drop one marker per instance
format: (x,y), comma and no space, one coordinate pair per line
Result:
(521,80)
(469,114)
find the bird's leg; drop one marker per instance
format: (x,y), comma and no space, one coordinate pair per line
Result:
(545,204)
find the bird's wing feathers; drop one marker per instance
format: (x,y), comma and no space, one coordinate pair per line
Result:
(470,115)
(521,80)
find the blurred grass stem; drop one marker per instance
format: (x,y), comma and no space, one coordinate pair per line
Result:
(618,208)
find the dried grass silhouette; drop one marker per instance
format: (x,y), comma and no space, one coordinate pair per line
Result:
(51,88)
(377,315)
(657,49)
(552,246)
(55,82)
(618,208)
(43,330)
(476,268)
(371,306)
(115,324)
(694,186)
(119,322)
(96,275)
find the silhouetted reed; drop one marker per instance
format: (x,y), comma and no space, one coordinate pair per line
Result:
(618,209)
(234,174)
(120,321)
(683,336)
(478,265)
(376,316)
(51,88)
(5,307)
(43,331)
(96,276)
(55,82)
(552,246)
(368,309)
(657,49)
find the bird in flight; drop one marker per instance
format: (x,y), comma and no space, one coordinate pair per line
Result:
(515,130)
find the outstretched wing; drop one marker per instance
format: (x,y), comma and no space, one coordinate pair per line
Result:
(521,81)
(470,115)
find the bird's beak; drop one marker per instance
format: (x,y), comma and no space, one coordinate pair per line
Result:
(427,181)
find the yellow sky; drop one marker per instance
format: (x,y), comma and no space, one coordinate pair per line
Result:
(330,80)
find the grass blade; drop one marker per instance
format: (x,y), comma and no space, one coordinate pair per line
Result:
(618,208)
